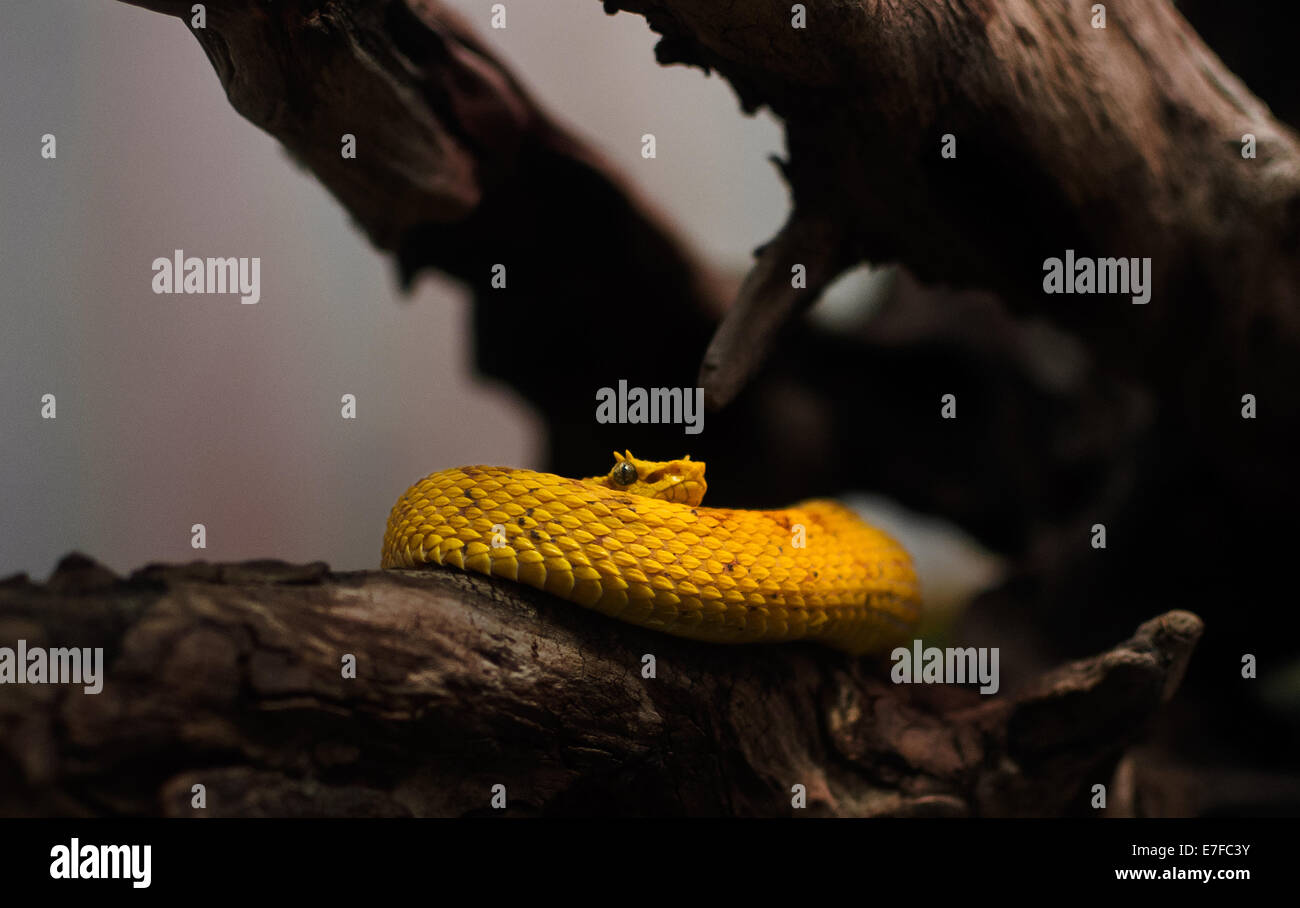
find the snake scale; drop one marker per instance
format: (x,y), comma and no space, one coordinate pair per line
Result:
(636,544)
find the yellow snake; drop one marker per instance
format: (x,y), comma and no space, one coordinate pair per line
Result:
(636,545)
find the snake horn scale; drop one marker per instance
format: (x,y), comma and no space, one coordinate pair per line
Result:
(636,545)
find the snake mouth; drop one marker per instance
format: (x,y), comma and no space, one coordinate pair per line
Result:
(670,485)
(684,491)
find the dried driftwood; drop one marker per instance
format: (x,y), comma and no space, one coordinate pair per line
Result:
(230,676)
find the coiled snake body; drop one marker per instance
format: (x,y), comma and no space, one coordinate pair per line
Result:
(636,545)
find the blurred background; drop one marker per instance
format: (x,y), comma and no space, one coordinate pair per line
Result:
(183,409)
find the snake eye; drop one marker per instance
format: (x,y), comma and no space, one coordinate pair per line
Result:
(625,474)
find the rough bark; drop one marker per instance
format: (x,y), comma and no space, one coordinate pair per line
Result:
(230,676)
(1117,141)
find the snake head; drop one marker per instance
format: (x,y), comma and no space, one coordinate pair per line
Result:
(670,480)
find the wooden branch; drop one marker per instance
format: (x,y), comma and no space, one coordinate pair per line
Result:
(1122,141)
(768,298)
(230,676)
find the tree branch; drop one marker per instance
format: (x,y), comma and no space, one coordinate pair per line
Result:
(1118,141)
(230,676)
